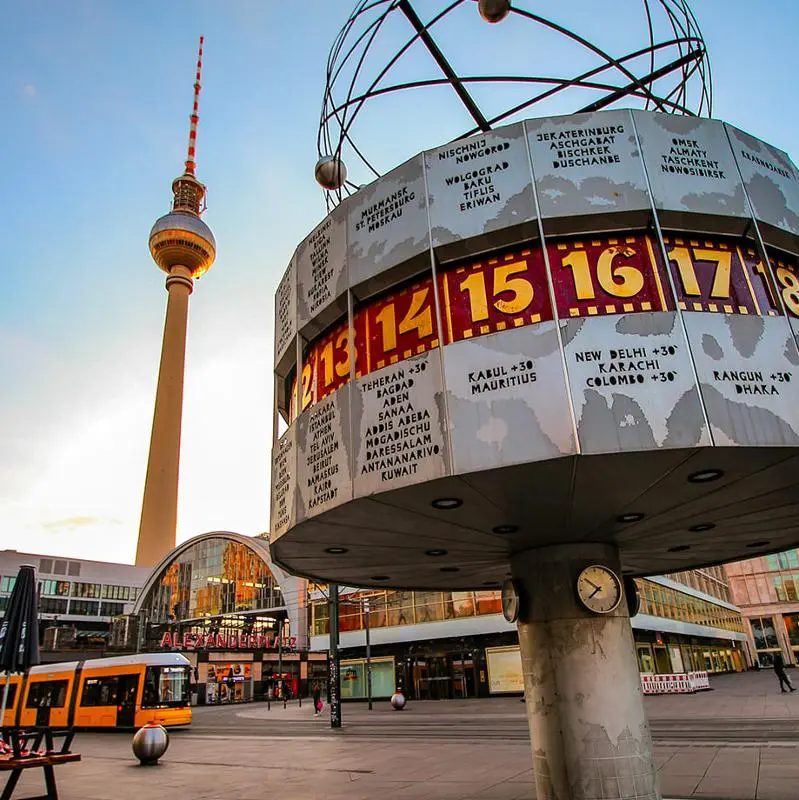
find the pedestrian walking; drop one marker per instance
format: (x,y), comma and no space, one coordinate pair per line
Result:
(779,668)
(317,700)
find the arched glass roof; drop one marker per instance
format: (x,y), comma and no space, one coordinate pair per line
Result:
(212,575)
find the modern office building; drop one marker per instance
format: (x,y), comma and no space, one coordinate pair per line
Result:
(458,644)
(78,600)
(766,589)
(239,619)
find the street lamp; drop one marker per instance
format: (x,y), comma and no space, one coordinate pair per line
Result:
(334,666)
(365,604)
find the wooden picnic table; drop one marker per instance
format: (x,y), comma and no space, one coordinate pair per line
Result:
(30,741)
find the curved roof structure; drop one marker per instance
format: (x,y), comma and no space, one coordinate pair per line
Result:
(286,591)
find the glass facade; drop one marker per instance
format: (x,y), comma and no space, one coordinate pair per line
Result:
(765,580)
(467,662)
(710,580)
(389,608)
(212,578)
(767,590)
(353,677)
(663,601)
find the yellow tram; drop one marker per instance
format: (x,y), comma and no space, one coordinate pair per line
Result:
(119,692)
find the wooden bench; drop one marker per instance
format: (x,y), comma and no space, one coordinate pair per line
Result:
(30,741)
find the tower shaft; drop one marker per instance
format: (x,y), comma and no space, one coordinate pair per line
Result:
(158,525)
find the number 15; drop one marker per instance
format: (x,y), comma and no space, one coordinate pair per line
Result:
(521,291)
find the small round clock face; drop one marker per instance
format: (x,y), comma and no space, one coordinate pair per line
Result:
(510,601)
(599,589)
(632,596)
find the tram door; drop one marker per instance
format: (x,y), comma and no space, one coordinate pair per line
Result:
(126,710)
(43,714)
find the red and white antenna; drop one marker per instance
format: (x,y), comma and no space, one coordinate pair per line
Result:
(195,114)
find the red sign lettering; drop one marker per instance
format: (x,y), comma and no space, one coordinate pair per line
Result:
(199,641)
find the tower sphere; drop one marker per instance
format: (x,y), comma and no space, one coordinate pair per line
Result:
(330,172)
(182,239)
(494,10)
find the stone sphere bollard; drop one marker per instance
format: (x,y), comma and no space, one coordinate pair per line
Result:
(150,743)
(398,700)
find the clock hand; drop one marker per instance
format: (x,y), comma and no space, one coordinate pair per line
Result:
(591,582)
(598,589)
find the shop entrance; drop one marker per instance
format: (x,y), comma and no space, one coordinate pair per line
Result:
(229,683)
(434,681)
(463,682)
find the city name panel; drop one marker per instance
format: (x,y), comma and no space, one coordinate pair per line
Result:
(537,335)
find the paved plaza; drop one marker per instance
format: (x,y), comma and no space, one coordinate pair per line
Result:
(738,742)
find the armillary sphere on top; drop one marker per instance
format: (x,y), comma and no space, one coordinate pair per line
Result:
(381,46)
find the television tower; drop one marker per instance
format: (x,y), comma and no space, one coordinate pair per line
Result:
(183,246)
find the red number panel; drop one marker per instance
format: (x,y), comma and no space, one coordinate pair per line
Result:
(494,294)
(401,325)
(607,275)
(709,275)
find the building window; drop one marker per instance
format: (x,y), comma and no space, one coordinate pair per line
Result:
(46,565)
(788,560)
(764,634)
(86,589)
(792,628)
(53,587)
(7,583)
(321,619)
(87,608)
(52,605)
(116,592)
(112,609)
(60,567)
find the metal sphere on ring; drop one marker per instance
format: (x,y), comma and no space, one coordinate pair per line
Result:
(494,10)
(330,172)
(666,70)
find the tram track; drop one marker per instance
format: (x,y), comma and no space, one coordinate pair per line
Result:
(672,731)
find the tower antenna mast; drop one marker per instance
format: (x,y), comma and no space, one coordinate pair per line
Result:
(195,114)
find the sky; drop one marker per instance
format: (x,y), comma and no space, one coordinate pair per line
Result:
(94,105)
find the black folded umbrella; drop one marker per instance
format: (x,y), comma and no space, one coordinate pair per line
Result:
(19,631)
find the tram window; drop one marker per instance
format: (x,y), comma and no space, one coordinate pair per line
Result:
(166,686)
(100,691)
(12,694)
(52,694)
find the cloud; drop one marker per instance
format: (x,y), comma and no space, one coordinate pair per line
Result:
(78,522)
(29,90)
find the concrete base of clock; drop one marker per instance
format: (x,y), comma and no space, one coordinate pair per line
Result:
(589,733)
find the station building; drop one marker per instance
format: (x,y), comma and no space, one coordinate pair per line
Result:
(79,599)
(440,645)
(240,620)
